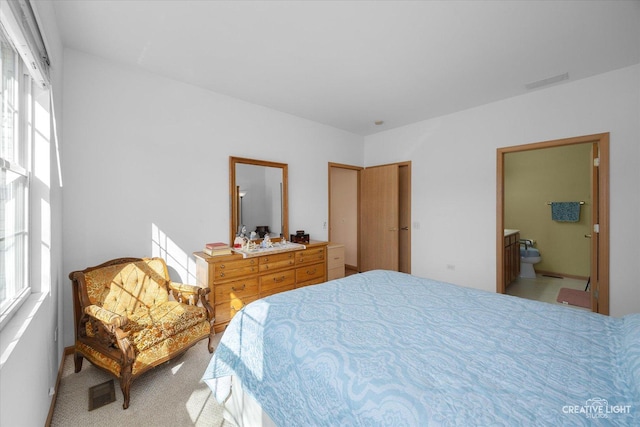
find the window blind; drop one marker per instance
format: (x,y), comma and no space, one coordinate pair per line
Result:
(19,22)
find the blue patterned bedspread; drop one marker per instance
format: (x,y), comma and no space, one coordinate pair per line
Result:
(390,349)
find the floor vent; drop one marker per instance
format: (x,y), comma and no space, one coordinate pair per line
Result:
(101,394)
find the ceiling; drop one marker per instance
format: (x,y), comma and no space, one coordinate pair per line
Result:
(348,64)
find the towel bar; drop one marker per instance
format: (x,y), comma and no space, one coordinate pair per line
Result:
(549,203)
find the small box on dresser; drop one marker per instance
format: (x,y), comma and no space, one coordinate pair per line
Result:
(299,238)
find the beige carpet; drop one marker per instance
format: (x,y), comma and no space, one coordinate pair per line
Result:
(169,395)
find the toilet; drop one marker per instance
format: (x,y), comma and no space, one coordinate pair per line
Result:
(528,257)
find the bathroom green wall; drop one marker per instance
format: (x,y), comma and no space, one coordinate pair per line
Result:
(534,178)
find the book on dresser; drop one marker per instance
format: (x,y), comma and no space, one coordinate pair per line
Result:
(217,248)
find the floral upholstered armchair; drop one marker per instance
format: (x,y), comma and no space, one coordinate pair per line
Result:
(129,317)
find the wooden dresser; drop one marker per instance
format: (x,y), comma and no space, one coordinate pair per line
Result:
(236,281)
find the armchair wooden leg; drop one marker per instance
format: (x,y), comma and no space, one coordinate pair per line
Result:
(77,361)
(125,386)
(211,335)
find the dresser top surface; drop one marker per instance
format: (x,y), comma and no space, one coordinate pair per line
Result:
(238,256)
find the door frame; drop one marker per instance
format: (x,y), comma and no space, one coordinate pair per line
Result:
(407,199)
(358,170)
(600,195)
(404,242)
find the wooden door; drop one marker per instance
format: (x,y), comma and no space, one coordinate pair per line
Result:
(379,216)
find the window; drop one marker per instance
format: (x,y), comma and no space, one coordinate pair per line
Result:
(15,102)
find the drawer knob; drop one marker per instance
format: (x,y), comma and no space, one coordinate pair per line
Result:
(311,272)
(233,288)
(281,279)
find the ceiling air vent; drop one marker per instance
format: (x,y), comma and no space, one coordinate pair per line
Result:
(547,81)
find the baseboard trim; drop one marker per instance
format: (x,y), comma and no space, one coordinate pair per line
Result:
(67,351)
(567,276)
(349,270)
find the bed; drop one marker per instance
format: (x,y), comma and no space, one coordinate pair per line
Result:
(390,349)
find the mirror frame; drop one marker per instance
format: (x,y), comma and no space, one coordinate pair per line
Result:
(233,193)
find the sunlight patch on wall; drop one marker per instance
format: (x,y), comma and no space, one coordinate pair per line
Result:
(41,123)
(45,246)
(54,125)
(178,261)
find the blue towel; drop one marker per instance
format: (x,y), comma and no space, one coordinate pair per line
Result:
(565,211)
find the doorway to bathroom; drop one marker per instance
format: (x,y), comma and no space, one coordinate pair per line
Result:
(580,248)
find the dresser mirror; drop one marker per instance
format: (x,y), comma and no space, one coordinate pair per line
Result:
(258,198)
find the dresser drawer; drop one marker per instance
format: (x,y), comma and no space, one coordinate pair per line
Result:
(276,280)
(225,311)
(309,272)
(273,262)
(310,282)
(242,288)
(335,273)
(272,291)
(229,270)
(310,255)
(335,257)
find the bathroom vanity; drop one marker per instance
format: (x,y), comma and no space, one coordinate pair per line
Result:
(511,264)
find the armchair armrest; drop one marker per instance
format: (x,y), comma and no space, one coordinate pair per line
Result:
(112,323)
(188,294)
(105,316)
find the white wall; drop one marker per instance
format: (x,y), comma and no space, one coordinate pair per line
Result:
(142,151)
(138,150)
(29,353)
(454,175)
